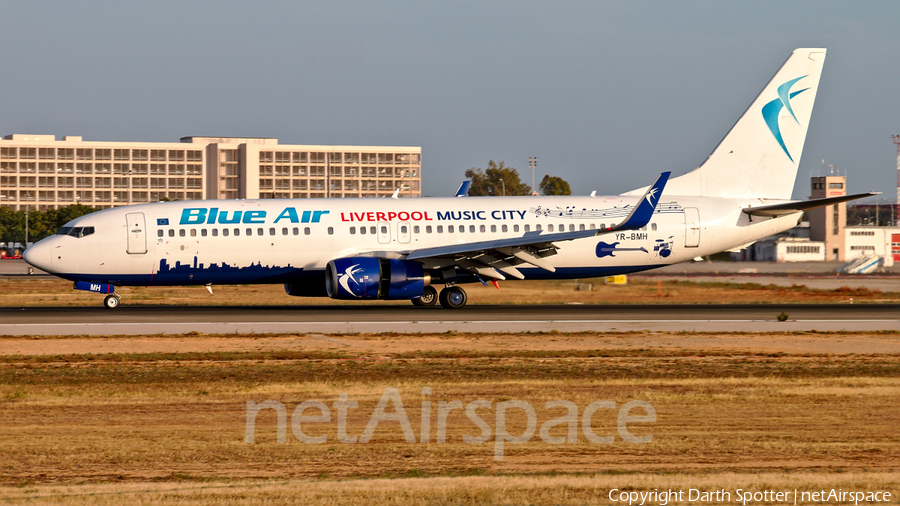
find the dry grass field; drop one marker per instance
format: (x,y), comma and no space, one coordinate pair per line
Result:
(162,420)
(47,291)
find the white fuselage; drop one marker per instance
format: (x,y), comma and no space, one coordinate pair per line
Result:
(291,241)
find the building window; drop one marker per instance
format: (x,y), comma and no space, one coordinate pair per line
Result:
(836,220)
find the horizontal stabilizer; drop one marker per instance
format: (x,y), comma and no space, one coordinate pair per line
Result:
(803,205)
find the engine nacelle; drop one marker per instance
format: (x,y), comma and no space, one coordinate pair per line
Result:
(354,278)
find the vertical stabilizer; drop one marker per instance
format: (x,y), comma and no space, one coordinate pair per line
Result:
(760,155)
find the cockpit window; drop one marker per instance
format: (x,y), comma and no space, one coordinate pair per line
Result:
(64,231)
(80,231)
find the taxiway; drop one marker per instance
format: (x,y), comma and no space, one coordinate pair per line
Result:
(150,320)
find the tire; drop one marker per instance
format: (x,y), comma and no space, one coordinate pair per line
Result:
(111,302)
(453,297)
(429,297)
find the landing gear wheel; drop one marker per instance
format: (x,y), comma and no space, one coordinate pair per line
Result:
(453,297)
(428,298)
(111,301)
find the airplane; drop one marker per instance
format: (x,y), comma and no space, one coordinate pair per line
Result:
(400,248)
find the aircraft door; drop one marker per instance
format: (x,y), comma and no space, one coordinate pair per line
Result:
(384,232)
(691,227)
(403,232)
(137,233)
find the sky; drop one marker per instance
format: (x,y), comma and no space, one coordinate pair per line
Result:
(605,94)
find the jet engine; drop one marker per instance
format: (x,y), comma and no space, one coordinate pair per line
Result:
(354,278)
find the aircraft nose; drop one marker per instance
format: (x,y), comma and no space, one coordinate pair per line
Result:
(39,255)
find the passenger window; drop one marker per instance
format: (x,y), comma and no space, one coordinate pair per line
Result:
(306,231)
(202,232)
(481,229)
(237,232)
(550,228)
(362,230)
(260,231)
(159,233)
(427,229)
(404,229)
(450,228)
(272,231)
(384,229)
(472,229)
(352,230)
(440,229)
(171,232)
(215,232)
(592,227)
(415,229)
(602,226)
(181,233)
(330,230)
(515,228)
(581,226)
(249,231)
(284,231)
(225,232)
(653,227)
(193,232)
(528,228)
(537,227)
(296,231)
(572,227)
(372,230)
(494,228)
(504,228)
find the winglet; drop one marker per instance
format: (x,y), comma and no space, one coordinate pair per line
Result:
(642,212)
(463,190)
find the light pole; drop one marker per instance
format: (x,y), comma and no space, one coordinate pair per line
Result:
(532,164)
(126,175)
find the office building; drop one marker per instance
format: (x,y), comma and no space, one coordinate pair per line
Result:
(41,172)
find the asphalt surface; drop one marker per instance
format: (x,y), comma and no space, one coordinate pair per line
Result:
(149,320)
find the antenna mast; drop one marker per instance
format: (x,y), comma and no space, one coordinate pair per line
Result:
(896,139)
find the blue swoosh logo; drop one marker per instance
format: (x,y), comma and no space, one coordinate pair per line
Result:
(771,111)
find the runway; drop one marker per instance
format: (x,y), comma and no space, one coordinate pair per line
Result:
(151,320)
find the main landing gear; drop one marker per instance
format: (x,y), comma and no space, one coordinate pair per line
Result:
(452,297)
(112,301)
(428,298)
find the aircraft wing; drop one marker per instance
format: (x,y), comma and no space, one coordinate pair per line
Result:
(803,205)
(496,257)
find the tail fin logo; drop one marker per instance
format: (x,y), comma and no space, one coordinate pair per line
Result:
(772,110)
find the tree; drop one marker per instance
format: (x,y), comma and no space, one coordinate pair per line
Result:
(497,180)
(41,224)
(552,185)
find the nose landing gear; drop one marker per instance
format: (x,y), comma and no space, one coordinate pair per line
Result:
(112,301)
